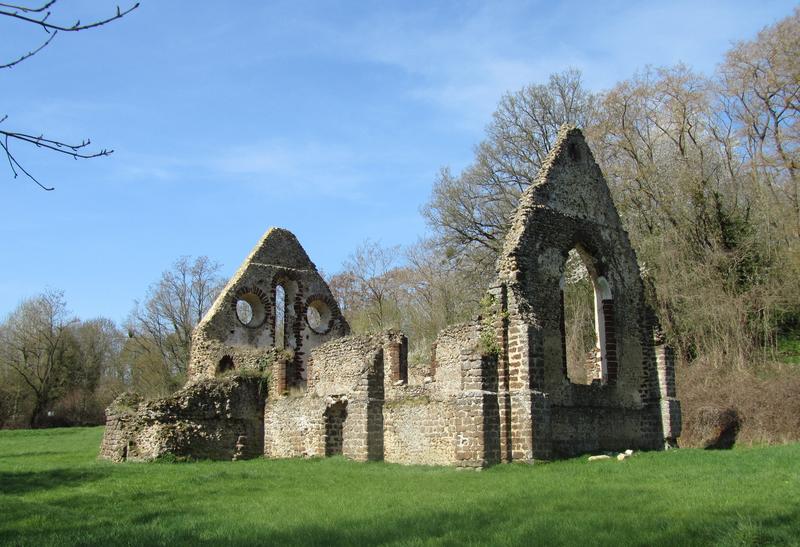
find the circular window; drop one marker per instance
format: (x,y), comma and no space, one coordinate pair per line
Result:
(251,311)
(244,311)
(313,317)
(318,315)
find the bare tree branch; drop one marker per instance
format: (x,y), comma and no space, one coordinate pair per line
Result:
(31,53)
(18,12)
(26,9)
(39,16)
(73,150)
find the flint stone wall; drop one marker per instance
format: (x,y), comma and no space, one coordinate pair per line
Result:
(439,421)
(348,372)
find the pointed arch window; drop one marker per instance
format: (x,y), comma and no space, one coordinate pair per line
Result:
(587,322)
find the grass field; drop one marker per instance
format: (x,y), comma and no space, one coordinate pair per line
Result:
(54,492)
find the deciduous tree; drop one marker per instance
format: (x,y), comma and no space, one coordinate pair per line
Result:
(470,212)
(160,328)
(370,284)
(35,346)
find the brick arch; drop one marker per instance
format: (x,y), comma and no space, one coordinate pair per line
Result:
(257,299)
(293,292)
(604,314)
(332,306)
(293,320)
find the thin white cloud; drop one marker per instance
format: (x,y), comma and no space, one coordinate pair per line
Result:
(286,168)
(463,65)
(463,57)
(280,168)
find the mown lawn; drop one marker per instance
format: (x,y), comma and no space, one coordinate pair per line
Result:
(54,492)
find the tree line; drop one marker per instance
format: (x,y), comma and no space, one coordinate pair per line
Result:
(703,170)
(56,369)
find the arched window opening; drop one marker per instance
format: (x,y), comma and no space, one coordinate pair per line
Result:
(225,364)
(587,322)
(280,317)
(287,325)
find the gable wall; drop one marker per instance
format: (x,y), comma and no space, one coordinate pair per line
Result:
(570,204)
(277,259)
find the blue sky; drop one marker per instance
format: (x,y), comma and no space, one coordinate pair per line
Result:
(330,119)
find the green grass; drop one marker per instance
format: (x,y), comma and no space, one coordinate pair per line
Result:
(54,492)
(789,348)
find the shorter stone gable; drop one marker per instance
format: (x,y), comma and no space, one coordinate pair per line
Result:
(277,261)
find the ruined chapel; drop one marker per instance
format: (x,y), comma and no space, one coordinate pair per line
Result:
(295,383)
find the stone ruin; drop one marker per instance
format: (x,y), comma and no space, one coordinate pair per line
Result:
(274,371)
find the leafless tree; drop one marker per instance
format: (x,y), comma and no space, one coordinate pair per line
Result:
(761,80)
(470,212)
(44,16)
(369,283)
(161,326)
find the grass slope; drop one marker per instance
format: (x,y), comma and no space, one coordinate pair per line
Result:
(54,492)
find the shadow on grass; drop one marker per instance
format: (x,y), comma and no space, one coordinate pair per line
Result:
(490,528)
(154,524)
(780,529)
(33,454)
(78,520)
(24,482)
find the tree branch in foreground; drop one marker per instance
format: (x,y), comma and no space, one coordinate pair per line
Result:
(76,151)
(25,14)
(40,16)
(20,12)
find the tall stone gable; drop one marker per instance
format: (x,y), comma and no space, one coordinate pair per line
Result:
(631,401)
